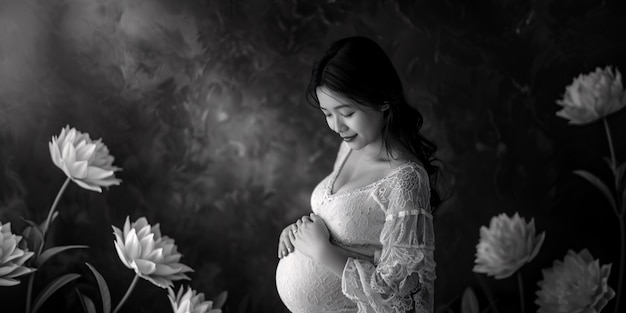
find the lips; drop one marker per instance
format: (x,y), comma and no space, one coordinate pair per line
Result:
(348,139)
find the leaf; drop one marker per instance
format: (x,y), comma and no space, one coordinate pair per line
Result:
(219,301)
(54,251)
(105,295)
(33,234)
(469,303)
(594,180)
(33,225)
(51,288)
(87,303)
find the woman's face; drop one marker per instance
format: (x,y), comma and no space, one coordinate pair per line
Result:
(357,125)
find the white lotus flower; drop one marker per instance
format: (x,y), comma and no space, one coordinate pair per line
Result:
(578,284)
(12,258)
(593,96)
(190,302)
(152,257)
(506,245)
(86,162)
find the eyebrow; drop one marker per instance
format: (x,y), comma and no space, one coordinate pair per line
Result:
(338,107)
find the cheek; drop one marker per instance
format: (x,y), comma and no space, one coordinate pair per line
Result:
(377,120)
(329,122)
(354,125)
(371,125)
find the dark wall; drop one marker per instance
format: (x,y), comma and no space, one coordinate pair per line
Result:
(206,115)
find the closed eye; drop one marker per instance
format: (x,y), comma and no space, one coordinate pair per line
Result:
(344,115)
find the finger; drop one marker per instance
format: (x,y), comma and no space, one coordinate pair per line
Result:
(292,237)
(306,218)
(281,250)
(289,243)
(286,231)
(314,217)
(283,242)
(300,223)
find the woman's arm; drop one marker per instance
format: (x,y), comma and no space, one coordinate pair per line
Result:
(401,279)
(334,258)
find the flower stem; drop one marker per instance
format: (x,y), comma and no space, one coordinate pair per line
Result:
(613,160)
(620,273)
(130,288)
(46,226)
(487,291)
(520,285)
(29,291)
(620,217)
(38,250)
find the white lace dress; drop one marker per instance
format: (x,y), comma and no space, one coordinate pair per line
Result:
(388,226)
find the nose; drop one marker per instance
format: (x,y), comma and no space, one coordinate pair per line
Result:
(337,124)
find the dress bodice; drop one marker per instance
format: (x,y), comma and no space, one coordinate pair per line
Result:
(353,216)
(368,221)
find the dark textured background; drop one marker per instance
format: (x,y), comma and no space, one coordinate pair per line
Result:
(201,103)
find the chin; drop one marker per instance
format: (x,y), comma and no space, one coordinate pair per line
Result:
(355,145)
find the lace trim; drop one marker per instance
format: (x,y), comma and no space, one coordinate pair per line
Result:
(391,288)
(419,211)
(407,188)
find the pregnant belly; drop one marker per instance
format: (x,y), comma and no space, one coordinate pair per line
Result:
(306,286)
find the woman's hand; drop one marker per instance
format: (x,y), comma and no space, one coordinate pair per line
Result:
(311,237)
(287,237)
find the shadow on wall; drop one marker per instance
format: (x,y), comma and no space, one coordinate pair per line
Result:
(201,105)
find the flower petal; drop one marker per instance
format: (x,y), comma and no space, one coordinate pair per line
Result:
(141,248)
(87,186)
(8,282)
(144,267)
(506,246)
(593,96)
(95,173)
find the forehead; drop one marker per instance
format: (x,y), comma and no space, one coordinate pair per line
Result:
(330,100)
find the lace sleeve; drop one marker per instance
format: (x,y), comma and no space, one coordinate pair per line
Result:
(401,279)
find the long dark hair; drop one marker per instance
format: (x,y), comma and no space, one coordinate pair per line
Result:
(359,69)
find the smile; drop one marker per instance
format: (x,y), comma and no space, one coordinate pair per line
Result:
(348,139)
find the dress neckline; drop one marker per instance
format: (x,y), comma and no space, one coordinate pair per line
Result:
(335,175)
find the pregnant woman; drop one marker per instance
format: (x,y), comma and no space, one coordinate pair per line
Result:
(368,244)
